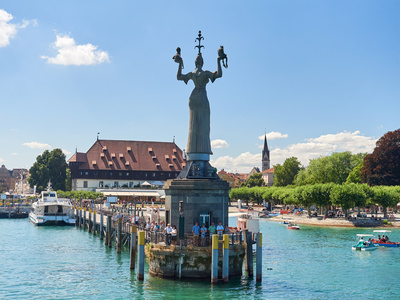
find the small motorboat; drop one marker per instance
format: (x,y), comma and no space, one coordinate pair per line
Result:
(363,244)
(292,226)
(384,241)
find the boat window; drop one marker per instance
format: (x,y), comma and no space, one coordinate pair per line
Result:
(45,195)
(59,209)
(52,194)
(46,209)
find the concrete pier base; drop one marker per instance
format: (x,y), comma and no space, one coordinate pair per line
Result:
(191,262)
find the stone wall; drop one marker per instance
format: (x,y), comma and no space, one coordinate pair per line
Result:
(164,261)
(199,196)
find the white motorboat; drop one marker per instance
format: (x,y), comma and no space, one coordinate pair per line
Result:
(49,210)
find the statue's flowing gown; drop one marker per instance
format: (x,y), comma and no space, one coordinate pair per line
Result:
(199,123)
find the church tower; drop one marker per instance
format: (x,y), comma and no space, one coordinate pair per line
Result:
(265,156)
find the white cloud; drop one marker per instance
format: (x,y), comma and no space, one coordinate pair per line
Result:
(8,30)
(241,164)
(71,54)
(1,160)
(219,144)
(312,148)
(347,141)
(66,152)
(14,154)
(274,135)
(37,145)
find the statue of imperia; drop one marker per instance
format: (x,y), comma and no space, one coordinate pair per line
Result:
(199,125)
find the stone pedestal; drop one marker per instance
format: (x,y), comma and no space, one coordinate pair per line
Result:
(191,262)
(204,200)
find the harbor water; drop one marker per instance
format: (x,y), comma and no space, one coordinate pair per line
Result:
(311,263)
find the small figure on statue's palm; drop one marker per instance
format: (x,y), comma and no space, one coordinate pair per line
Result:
(177,57)
(222,56)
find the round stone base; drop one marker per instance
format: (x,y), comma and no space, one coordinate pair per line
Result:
(194,262)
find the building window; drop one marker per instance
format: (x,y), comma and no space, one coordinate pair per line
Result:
(116,184)
(101,184)
(127,174)
(86,173)
(154,174)
(85,184)
(131,184)
(120,174)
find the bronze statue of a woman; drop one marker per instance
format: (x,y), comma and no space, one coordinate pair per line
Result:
(198,146)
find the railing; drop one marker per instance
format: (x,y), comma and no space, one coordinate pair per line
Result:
(189,239)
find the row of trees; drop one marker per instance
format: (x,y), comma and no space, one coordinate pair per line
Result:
(382,167)
(322,196)
(78,195)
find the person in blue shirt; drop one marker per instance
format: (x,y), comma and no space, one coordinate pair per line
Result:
(203,231)
(196,232)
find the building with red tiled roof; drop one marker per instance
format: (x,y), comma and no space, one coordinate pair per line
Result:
(128,164)
(231,178)
(268,176)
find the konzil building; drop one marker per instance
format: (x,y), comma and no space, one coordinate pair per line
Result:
(125,164)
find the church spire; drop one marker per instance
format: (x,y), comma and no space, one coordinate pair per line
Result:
(265,156)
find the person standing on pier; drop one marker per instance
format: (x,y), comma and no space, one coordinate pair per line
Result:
(212,229)
(220,229)
(196,233)
(168,231)
(203,231)
(174,233)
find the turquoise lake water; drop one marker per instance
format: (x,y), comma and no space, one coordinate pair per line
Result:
(312,263)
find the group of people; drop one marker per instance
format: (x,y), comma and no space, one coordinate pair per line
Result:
(171,232)
(203,232)
(383,238)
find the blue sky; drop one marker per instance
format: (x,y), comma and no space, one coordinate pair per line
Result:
(316,76)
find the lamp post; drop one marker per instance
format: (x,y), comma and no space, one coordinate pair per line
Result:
(181,221)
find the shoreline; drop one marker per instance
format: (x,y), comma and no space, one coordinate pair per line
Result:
(334,222)
(331,222)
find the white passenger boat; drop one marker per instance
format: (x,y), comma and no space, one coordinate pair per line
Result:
(49,210)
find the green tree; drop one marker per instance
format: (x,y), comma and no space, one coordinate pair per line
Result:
(254,180)
(329,169)
(242,193)
(256,194)
(49,166)
(285,174)
(354,176)
(68,180)
(300,194)
(347,196)
(382,167)
(385,197)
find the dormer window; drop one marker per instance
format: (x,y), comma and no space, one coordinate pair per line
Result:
(112,155)
(127,163)
(129,149)
(150,149)
(121,155)
(166,157)
(94,162)
(110,163)
(102,155)
(104,148)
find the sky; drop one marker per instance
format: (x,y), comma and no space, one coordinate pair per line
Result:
(315,76)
